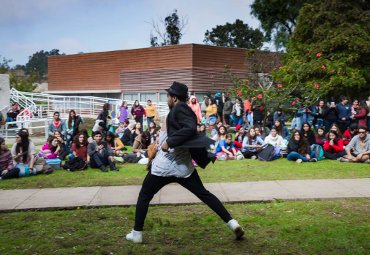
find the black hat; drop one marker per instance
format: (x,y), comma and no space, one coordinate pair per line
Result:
(178,89)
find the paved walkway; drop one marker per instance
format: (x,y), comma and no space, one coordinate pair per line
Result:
(53,198)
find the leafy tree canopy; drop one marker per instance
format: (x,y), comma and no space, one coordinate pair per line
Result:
(329,49)
(278,18)
(38,62)
(236,34)
(173,27)
(4,64)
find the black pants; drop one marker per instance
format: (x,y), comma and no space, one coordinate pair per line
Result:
(334,156)
(139,119)
(12,173)
(249,154)
(152,184)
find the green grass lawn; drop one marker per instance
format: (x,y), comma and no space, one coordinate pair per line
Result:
(300,227)
(221,171)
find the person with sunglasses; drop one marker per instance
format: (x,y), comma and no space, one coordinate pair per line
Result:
(358,149)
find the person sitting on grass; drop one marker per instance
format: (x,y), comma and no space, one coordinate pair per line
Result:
(215,129)
(50,149)
(100,153)
(252,144)
(201,128)
(282,130)
(239,137)
(299,149)
(114,142)
(225,149)
(64,149)
(125,135)
(333,146)
(358,149)
(141,143)
(349,133)
(24,153)
(137,130)
(320,137)
(260,132)
(7,169)
(152,128)
(79,147)
(276,140)
(56,124)
(335,128)
(308,133)
(221,135)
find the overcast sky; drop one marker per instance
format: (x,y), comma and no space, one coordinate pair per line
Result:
(73,26)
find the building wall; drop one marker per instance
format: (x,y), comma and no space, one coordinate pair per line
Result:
(143,72)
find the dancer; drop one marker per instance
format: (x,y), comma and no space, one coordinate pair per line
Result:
(173,163)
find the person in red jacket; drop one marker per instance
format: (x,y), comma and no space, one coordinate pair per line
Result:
(349,133)
(333,147)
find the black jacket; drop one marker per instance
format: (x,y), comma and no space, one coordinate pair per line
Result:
(182,132)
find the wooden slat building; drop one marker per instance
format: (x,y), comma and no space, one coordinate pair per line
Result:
(145,73)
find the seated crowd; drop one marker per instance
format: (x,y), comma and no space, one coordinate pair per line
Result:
(309,140)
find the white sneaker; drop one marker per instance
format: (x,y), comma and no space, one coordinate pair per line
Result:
(253,157)
(236,228)
(344,160)
(135,236)
(299,160)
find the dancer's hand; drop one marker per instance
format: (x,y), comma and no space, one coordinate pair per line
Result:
(165,147)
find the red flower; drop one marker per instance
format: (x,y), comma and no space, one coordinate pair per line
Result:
(323,67)
(259,96)
(246,81)
(316,86)
(280,86)
(318,54)
(239,94)
(294,102)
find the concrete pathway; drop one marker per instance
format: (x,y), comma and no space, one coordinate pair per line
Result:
(54,198)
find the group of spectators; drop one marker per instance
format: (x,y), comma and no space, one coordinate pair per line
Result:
(327,130)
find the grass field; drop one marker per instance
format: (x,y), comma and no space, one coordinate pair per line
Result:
(304,227)
(221,171)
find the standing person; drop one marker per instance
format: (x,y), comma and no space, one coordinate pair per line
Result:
(238,112)
(72,126)
(279,115)
(248,112)
(318,114)
(220,106)
(331,116)
(151,112)
(228,108)
(297,119)
(175,164)
(57,125)
(137,111)
(361,114)
(195,106)
(344,114)
(123,112)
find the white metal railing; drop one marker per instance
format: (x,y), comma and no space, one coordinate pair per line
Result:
(40,106)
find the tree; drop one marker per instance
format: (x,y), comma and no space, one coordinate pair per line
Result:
(329,52)
(26,83)
(4,64)
(236,34)
(38,63)
(173,30)
(278,18)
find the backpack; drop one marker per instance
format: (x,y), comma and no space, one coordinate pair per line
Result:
(267,153)
(75,164)
(318,151)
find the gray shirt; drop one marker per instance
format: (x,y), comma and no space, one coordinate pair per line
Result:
(355,145)
(176,162)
